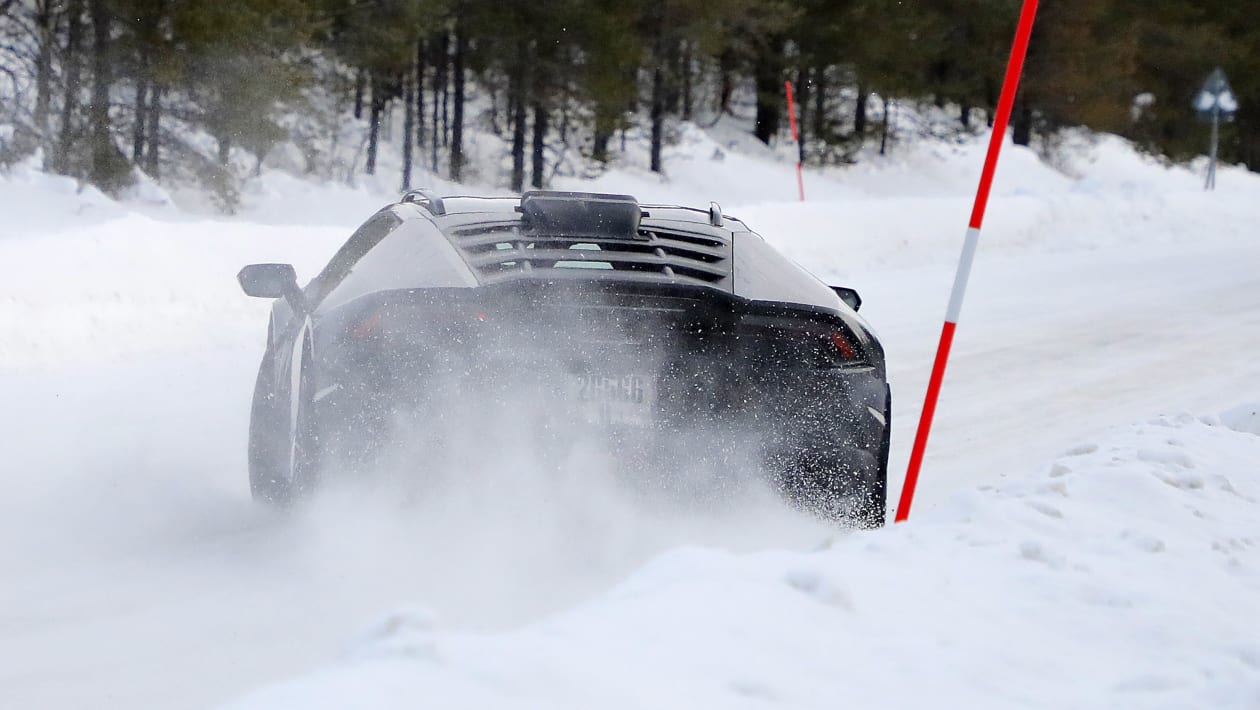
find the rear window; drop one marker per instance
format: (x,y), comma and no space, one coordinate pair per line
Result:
(356,247)
(414,255)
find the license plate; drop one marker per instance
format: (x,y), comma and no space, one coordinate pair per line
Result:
(615,399)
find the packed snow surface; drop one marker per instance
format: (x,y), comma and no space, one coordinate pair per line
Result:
(1059,555)
(1122,576)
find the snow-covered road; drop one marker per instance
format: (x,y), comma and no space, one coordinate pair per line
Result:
(137,573)
(1054,348)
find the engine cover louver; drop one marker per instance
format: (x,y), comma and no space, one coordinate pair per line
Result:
(502,251)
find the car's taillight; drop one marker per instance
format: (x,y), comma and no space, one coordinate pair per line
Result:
(367,327)
(843,346)
(381,323)
(838,349)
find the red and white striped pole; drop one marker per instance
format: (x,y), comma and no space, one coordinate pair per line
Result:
(1014,67)
(800,180)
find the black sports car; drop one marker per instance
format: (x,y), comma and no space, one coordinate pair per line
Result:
(676,332)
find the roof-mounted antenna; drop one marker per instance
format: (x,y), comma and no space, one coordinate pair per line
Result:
(426,198)
(715,214)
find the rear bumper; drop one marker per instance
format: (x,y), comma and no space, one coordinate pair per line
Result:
(706,368)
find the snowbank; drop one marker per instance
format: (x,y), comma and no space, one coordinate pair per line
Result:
(35,202)
(132,284)
(1127,575)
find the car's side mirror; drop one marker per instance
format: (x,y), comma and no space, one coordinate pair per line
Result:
(849,296)
(267,280)
(271,281)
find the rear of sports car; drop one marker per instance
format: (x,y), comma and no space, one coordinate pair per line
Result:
(593,327)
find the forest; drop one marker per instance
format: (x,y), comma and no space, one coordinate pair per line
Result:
(179,89)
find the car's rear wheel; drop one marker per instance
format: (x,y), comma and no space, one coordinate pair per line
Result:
(873,511)
(269,445)
(284,460)
(841,483)
(308,454)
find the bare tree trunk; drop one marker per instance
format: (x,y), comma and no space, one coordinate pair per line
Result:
(859,111)
(377,105)
(457,128)
(103,172)
(656,111)
(540,145)
(883,134)
(769,81)
(43,72)
(687,89)
(70,100)
(802,106)
(517,99)
(657,114)
(1021,123)
(152,163)
(603,134)
(409,119)
(142,104)
(438,84)
(420,64)
(225,150)
(446,83)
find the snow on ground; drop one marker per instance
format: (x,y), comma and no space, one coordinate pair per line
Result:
(138,574)
(1122,576)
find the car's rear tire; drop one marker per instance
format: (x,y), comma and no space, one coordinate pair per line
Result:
(268,444)
(872,512)
(872,509)
(845,484)
(308,453)
(284,461)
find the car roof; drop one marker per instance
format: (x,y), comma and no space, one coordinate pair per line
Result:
(456,210)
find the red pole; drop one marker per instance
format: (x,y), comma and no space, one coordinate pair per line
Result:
(1014,67)
(800,179)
